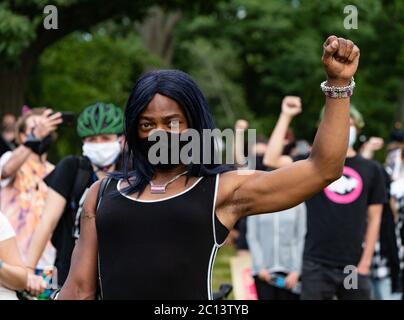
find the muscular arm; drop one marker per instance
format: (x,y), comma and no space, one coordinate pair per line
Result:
(17,159)
(52,213)
(81,283)
(260,192)
(13,275)
(44,125)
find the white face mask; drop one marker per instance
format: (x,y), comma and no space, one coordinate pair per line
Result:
(102,154)
(352,136)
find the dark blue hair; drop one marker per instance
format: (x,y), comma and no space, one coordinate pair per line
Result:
(179,86)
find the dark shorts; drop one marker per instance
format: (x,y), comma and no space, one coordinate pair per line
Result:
(321,282)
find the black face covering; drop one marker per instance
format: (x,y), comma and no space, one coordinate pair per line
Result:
(45,145)
(166,146)
(39,146)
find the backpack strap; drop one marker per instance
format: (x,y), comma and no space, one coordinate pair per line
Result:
(79,192)
(83,175)
(100,194)
(101,190)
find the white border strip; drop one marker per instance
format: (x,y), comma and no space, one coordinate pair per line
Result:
(210,271)
(214,212)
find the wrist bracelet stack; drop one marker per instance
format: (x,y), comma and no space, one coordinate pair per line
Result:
(338,92)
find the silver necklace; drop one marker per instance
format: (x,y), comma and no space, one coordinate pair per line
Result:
(161,188)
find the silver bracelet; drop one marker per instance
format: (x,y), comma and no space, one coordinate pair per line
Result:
(338,92)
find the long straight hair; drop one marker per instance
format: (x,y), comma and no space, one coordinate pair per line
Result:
(179,86)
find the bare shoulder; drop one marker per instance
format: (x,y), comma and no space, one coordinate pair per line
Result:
(91,199)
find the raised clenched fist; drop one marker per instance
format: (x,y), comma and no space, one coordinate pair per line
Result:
(340,59)
(291,106)
(375,143)
(241,124)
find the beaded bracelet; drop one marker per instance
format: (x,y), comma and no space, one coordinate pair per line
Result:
(338,92)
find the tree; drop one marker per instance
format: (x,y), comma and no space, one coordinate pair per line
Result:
(157,32)
(24,38)
(278,47)
(82,69)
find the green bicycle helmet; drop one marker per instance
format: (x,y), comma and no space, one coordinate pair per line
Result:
(100,118)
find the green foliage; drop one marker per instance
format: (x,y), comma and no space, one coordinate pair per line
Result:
(278,46)
(85,68)
(19,20)
(213,66)
(16,33)
(245,55)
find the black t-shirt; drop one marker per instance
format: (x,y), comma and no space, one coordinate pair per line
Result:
(5,146)
(337,216)
(63,180)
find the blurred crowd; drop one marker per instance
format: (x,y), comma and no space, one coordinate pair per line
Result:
(344,243)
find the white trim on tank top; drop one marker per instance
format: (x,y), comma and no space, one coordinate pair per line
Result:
(216,246)
(118,187)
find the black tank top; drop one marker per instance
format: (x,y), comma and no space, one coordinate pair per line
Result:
(159,249)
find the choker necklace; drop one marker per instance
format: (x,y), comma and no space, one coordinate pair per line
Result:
(161,188)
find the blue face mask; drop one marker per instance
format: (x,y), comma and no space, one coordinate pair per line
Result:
(352,136)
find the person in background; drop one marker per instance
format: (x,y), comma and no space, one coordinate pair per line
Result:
(99,126)
(395,161)
(275,241)
(239,232)
(385,263)
(343,220)
(276,244)
(7,137)
(13,275)
(302,149)
(23,191)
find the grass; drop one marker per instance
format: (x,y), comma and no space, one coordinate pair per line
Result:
(221,269)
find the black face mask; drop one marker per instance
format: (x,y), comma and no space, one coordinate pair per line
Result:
(167,147)
(45,145)
(39,146)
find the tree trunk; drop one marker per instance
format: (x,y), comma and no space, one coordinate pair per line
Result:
(400,108)
(12,89)
(80,15)
(157,33)
(13,83)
